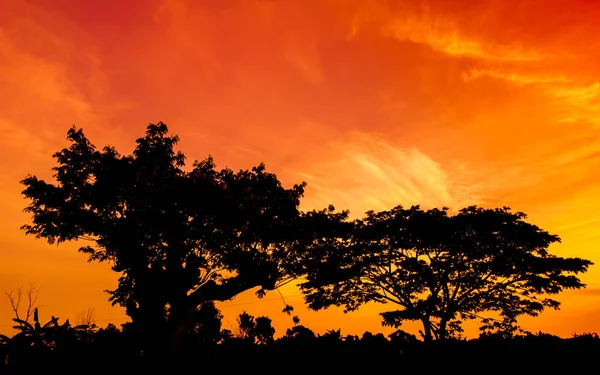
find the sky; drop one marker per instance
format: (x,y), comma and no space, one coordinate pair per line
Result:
(373,103)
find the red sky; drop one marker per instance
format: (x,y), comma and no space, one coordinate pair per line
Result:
(373,103)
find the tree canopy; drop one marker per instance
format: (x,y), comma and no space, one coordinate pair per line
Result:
(440,269)
(178,238)
(182,238)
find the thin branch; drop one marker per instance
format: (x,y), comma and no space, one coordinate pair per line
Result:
(206,278)
(285,282)
(16,298)
(15,301)
(282,299)
(87,238)
(32,297)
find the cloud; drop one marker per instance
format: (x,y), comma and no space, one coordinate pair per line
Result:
(365,172)
(513,77)
(373,103)
(428,23)
(581,96)
(442,35)
(31,81)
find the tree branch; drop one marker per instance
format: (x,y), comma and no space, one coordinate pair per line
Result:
(15,300)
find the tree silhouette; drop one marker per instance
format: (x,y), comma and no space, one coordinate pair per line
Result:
(48,335)
(264,330)
(441,269)
(178,238)
(206,321)
(299,333)
(246,325)
(255,330)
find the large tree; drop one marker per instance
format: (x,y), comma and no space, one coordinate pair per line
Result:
(484,264)
(178,238)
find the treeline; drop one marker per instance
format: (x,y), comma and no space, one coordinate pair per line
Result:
(182,238)
(63,344)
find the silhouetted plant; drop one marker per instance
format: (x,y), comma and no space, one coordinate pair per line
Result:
(35,333)
(255,330)
(227,335)
(375,342)
(300,333)
(586,336)
(264,330)
(402,337)
(206,321)
(246,326)
(16,299)
(441,270)
(333,334)
(35,338)
(177,238)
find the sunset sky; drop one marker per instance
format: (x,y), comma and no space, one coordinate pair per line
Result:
(374,103)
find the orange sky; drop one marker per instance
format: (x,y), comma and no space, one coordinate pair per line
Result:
(373,103)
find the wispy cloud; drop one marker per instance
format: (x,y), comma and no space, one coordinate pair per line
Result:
(442,34)
(365,172)
(373,103)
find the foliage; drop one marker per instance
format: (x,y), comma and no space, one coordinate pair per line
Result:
(178,238)
(206,321)
(108,348)
(441,269)
(256,330)
(182,238)
(300,333)
(48,336)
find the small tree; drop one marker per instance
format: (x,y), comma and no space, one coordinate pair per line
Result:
(441,270)
(207,321)
(255,330)
(264,330)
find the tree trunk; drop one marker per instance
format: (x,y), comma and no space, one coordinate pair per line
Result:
(151,328)
(427,334)
(149,321)
(180,324)
(442,332)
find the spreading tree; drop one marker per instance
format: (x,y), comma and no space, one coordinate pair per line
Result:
(178,238)
(488,265)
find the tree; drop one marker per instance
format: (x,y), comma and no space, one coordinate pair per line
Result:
(299,333)
(264,330)
(207,321)
(256,330)
(441,269)
(178,238)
